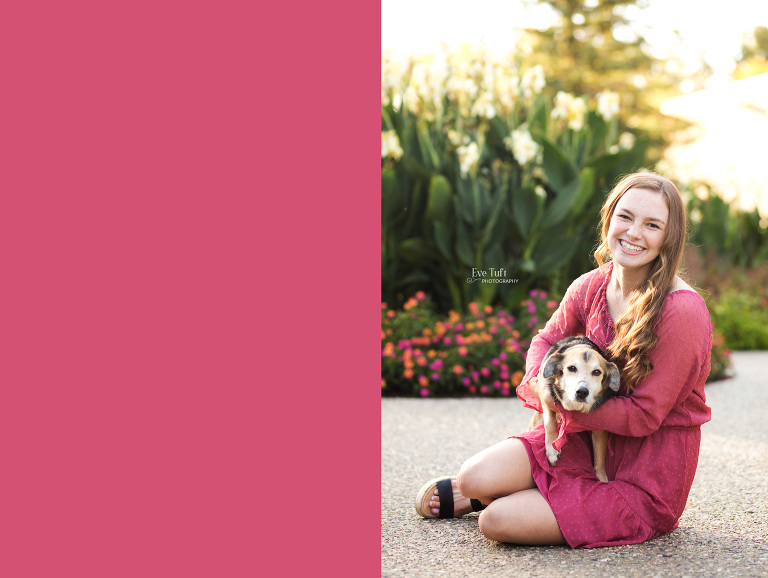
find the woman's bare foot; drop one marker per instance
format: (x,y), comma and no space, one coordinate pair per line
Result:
(428,500)
(461,505)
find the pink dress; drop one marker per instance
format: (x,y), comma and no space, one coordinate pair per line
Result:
(655,432)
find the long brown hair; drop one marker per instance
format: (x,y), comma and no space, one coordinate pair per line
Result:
(635,335)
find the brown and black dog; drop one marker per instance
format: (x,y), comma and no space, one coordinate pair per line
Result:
(580,379)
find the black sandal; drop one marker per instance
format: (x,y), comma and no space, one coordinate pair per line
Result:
(445,493)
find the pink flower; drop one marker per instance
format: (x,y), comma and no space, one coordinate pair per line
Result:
(466,381)
(485,371)
(493,329)
(424,392)
(497,384)
(475,375)
(503,356)
(532,293)
(542,295)
(420,295)
(505,391)
(435,376)
(458,327)
(447,341)
(484,389)
(495,361)
(531,308)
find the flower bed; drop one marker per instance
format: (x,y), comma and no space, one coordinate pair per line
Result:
(481,353)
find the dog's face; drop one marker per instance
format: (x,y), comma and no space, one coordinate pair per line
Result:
(583,378)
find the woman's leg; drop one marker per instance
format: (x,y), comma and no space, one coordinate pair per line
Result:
(521,518)
(497,471)
(500,477)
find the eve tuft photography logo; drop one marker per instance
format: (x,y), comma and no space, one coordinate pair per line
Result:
(490,275)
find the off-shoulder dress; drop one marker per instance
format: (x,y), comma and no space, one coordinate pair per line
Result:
(654,447)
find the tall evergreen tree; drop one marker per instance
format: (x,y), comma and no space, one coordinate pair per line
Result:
(594,47)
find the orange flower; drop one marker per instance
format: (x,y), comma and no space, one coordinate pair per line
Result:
(463,351)
(517,377)
(488,309)
(383,383)
(408,373)
(457,369)
(480,324)
(473,307)
(431,353)
(426,331)
(423,381)
(390,314)
(408,364)
(422,361)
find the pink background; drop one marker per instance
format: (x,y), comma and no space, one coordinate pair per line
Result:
(189,271)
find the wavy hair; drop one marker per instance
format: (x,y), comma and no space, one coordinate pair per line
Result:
(635,329)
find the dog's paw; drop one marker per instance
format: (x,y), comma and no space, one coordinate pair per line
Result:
(552,455)
(601,476)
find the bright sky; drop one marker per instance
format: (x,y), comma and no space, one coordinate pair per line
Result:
(712,30)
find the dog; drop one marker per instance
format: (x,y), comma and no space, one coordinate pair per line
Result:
(581,379)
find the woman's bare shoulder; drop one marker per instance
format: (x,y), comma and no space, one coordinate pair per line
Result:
(681,285)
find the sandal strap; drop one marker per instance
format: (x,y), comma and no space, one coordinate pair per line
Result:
(445,493)
(477,505)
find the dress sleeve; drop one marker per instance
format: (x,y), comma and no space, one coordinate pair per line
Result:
(681,352)
(567,320)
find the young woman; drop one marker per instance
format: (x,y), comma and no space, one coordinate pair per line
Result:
(638,311)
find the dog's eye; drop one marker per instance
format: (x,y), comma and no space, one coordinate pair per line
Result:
(572,368)
(596,372)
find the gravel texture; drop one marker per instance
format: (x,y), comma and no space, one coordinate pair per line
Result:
(723,531)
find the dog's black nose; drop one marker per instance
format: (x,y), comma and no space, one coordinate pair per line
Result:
(582,393)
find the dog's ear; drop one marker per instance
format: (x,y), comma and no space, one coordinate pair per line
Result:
(613,376)
(553,365)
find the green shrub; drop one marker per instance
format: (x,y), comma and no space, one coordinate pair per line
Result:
(742,318)
(721,358)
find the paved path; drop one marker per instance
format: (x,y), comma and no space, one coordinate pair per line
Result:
(723,531)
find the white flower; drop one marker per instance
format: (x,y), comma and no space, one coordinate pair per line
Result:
(411,100)
(522,146)
(390,145)
(533,81)
(483,106)
(607,104)
(626,140)
(540,192)
(468,157)
(571,109)
(456,138)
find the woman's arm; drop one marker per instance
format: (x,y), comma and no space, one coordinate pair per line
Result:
(567,320)
(684,340)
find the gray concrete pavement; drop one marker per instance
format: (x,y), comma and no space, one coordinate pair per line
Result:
(723,531)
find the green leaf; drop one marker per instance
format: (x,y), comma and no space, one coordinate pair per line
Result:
(525,206)
(391,199)
(427,149)
(443,240)
(416,250)
(552,251)
(557,166)
(464,245)
(439,200)
(563,202)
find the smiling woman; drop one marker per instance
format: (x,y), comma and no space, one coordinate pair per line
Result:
(657,330)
